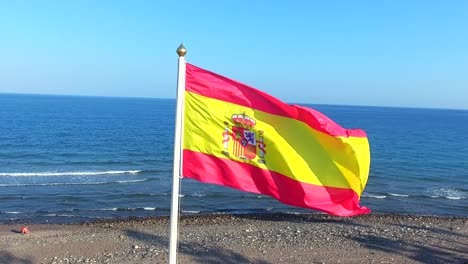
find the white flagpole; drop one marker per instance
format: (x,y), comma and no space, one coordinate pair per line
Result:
(181,51)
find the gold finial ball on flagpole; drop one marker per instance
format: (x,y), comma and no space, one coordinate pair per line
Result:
(181,50)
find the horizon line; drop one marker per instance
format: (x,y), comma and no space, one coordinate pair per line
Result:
(165,98)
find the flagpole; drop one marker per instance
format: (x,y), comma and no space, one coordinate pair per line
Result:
(181,51)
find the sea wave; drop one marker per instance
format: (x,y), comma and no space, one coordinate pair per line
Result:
(67,173)
(70,183)
(121,209)
(447,193)
(398,195)
(376,196)
(76,212)
(190,211)
(438,193)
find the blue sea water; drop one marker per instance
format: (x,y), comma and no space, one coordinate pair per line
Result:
(70,159)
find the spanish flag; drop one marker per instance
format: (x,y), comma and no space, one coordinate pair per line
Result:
(237,136)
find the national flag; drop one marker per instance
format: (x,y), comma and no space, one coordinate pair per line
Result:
(237,136)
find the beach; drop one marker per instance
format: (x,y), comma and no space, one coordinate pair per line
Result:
(248,238)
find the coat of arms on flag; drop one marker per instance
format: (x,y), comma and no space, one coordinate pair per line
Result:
(244,139)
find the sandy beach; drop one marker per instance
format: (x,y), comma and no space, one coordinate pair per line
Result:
(272,238)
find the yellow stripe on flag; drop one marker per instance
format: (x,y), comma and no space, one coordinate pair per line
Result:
(292,148)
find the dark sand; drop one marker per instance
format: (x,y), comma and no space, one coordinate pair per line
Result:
(273,238)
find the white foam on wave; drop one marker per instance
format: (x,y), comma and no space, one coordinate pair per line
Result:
(376,196)
(97,209)
(69,183)
(453,198)
(123,209)
(64,215)
(68,173)
(105,209)
(130,181)
(447,193)
(190,211)
(398,195)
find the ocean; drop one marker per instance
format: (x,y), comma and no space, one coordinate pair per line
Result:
(76,159)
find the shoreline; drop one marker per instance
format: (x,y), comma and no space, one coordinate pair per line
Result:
(77,220)
(244,238)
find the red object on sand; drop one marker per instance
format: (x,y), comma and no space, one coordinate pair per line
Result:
(24,230)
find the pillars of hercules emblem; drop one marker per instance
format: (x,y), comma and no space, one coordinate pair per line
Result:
(261,146)
(226,139)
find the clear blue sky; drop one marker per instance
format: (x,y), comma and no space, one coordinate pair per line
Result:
(389,53)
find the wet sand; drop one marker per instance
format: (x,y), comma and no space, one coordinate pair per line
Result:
(267,238)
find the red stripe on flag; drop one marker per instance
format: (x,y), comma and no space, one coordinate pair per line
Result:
(215,86)
(246,177)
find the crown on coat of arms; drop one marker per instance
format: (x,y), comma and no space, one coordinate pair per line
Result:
(243,120)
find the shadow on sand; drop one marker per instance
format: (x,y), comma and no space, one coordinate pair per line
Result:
(8,258)
(429,250)
(199,253)
(422,253)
